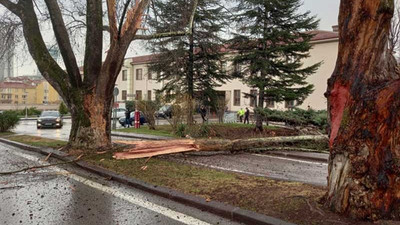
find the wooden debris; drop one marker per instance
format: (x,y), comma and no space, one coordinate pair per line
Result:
(144,149)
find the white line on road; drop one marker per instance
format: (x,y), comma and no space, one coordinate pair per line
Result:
(121,194)
(293,160)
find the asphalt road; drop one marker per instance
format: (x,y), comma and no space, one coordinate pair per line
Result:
(281,168)
(67,195)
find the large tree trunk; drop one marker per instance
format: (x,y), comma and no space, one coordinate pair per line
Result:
(91,123)
(363,97)
(259,117)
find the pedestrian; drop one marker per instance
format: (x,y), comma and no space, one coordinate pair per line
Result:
(241,114)
(203,113)
(246,116)
(127,118)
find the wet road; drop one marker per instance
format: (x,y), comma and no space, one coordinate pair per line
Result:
(28,127)
(281,168)
(66,195)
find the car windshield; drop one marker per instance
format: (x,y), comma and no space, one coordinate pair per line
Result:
(50,113)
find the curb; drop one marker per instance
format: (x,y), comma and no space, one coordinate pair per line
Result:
(295,156)
(227,211)
(145,137)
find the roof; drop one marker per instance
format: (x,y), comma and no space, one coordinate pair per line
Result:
(320,35)
(324,35)
(16,85)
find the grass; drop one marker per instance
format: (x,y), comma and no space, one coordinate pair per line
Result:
(37,141)
(3,134)
(289,201)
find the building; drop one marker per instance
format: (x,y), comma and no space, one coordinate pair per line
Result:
(28,90)
(7,65)
(17,93)
(136,83)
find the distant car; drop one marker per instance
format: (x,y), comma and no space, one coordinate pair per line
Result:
(117,113)
(122,119)
(49,119)
(164,112)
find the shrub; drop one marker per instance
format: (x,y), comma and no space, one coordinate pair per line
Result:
(8,120)
(297,117)
(181,130)
(63,109)
(148,109)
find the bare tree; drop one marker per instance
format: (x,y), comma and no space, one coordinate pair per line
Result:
(88,97)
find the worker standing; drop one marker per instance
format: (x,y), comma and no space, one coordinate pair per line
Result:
(241,113)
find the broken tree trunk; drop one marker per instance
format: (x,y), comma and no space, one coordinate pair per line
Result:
(363,96)
(144,149)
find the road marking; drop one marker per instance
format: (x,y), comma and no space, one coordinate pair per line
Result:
(293,160)
(231,170)
(183,218)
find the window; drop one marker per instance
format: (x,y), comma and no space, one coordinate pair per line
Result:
(124,75)
(236,97)
(24,97)
(238,68)
(150,76)
(16,96)
(253,98)
(149,95)
(289,104)
(139,74)
(138,95)
(124,95)
(270,104)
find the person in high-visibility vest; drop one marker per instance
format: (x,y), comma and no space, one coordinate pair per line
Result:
(241,114)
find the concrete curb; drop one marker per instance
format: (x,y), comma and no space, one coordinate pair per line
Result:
(214,207)
(139,136)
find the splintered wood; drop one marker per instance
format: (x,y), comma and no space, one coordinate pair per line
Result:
(144,149)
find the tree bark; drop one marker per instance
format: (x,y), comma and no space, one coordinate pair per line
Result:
(259,116)
(363,101)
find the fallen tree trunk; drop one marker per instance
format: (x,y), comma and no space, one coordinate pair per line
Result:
(144,149)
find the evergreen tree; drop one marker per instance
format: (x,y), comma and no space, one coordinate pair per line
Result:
(272,40)
(190,65)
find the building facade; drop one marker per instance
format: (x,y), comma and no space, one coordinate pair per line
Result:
(136,83)
(7,65)
(28,90)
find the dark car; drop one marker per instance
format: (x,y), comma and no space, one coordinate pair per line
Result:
(122,119)
(164,112)
(50,119)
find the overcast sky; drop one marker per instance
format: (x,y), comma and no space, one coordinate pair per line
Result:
(325,10)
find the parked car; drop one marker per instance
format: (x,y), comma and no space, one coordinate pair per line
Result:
(117,113)
(122,119)
(49,119)
(164,112)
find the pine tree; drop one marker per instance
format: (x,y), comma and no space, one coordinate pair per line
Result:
(272,40)
(190,65)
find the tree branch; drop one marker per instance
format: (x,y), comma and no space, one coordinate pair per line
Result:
(14,8)
(64,43)
(122,18)
(40,167)
(173,33)
(94,41)
(48,67)
(112,19)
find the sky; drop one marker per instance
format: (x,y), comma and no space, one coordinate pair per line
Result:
(325,10)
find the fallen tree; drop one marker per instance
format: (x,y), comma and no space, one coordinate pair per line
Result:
(144,149)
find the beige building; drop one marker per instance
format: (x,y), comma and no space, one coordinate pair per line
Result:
(17,93)
(28,90)
(135,82)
